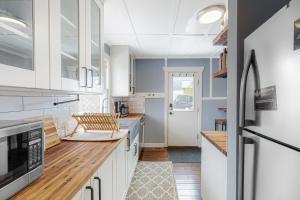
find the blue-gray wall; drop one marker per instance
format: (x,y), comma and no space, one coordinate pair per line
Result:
(150,78)
(150,75)
(154,124)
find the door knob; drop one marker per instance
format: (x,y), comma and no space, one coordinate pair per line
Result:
(171,113)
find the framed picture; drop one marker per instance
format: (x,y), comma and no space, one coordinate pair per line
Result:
(297,35)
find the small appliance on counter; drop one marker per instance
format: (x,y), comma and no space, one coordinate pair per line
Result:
(21,155)
(122,108)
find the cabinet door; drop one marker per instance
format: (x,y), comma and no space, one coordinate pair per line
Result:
(121,185)
(67,30)
(133,158)
(78,196)
(24,43)
(120,67)
(94,44)
(88,191)
(105,174)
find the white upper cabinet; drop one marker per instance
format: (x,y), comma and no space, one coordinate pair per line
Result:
(76,45)
(66,59)
(94,44)
(24,43)
(122,64)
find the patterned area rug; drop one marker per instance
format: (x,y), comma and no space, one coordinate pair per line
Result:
(153,181)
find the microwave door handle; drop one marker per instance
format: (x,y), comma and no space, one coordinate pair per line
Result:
(246,141)
(243,91)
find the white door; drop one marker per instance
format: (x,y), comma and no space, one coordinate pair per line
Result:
(183,108)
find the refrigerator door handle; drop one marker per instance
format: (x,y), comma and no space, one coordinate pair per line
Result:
(243,90)
(244,141)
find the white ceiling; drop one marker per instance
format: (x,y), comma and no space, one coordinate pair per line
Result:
(155,28)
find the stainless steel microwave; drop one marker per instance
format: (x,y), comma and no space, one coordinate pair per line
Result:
(21,155)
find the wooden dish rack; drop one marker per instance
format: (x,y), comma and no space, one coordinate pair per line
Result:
(97,122)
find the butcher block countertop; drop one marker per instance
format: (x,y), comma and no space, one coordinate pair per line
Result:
(68,166)
(218,139)
(133,116)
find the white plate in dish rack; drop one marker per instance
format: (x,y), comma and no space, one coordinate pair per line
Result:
(99,136)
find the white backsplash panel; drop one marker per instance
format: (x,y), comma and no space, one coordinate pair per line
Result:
(22,107)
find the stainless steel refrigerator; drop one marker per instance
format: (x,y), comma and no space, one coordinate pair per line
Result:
(269,163)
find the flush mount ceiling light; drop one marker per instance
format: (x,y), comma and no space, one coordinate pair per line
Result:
(7,17)
(211,14)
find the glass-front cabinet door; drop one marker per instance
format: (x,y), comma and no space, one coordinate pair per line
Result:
(65,54)
(94,55)
(76,44)
(69,39)
(24,43)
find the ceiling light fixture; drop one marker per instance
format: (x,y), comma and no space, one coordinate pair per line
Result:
(211,14)
(7,17)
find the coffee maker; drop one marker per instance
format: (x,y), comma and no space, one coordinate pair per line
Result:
(122,108)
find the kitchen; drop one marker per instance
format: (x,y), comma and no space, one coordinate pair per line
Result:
(136,99)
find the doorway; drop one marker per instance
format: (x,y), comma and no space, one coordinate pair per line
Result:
(183,105)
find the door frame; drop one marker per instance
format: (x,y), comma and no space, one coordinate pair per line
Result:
(191,69)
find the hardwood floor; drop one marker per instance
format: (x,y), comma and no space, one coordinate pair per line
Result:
(187,175)
(154,154)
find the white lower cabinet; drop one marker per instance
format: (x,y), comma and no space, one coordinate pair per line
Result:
(109,181)
(105,175)
(120,171)
(132,158)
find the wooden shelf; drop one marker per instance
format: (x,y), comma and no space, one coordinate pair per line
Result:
(221,39)
(220,74)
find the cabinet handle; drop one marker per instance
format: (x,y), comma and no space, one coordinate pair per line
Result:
(92,191)
(99,185)
(244,141)
(135,149)
(92,78)
(84,84)
(90,85)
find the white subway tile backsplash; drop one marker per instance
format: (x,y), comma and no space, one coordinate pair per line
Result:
(20,115)
(22,107)
(10,104)
(35,103)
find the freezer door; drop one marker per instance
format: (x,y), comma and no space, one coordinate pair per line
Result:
(278,65)
(271,171)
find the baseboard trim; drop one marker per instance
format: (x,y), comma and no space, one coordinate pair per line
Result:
(154,145)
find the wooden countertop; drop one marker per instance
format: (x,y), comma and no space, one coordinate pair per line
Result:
(68,166)
(218,139)
(133,116)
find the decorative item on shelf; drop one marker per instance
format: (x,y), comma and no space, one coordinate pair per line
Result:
(222,123)
(222,72)
(98,121)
